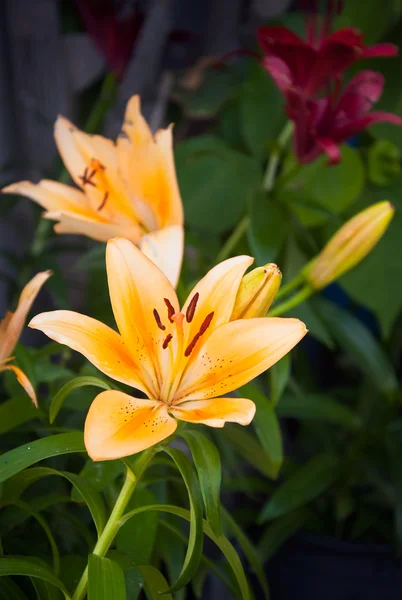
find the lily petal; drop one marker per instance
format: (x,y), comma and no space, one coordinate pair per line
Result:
(216,412)
(138,290)
(53,195)
(93,229)
(118,425)
(23,380)
(165,248)
(217,293)
(236,353)
(68,149)
(15,322)
(135,126)
(100,344)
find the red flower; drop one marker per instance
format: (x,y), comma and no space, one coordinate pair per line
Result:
(310,65)
(114,35)
(322,124)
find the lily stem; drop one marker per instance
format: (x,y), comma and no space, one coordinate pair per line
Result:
(283,138)
(112,526)
(233,239)
(288,305)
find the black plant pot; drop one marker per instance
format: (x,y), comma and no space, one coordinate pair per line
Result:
(319,568)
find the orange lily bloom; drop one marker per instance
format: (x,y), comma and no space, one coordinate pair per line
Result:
(127,189)
(11,327)
(182,360)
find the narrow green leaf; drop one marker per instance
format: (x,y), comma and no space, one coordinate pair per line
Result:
(20,458)
(155,585)
(57,401)
(10,590)
(195,541)
(100,474)
(105,579)
(279,531)
(137,537)
(267,427)
(279,377)
(222,542)
(318,407)
(16,411)
(308,482)
(249,550)
(208,464)
(268,227)
(248,448)
(24,566)
(20,482)
(357,341)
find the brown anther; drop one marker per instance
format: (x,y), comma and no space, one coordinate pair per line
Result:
(158,320)
(170,309)
(205,324)
(86,178)
(166,341)
(102,204)
(96,165)
(191,308)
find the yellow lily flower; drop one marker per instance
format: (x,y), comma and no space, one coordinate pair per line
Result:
(127,189)
(11,327)
(182,360)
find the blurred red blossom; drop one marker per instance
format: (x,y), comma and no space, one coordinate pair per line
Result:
(113,32)
(322,124)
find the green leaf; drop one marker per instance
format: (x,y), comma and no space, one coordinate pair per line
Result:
(214,180)
(24,566)
(266,426)
(318,407)
(20,458)
(57,401)
(16,486)
(279,376)
(330,190)
(105,579)
(208,464)
(373,21)
(261,111)
(195,540)
(308,482)
(16,411)
(137,537)
(155,585)
(100,474)
(357,341)
(307,313)
(268,227)
(10,590)
(279,531)
(247,446)
(222,542)
(249,551)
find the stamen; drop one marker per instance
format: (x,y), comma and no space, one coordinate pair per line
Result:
(191,308)
(166,341)
(158,320)
(102,204)
(87,178)
(206,323)
(170,309)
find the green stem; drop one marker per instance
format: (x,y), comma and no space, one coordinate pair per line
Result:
(112,526)
(284,136)
(233,239)
(102,104)
(290,286)
(288,305)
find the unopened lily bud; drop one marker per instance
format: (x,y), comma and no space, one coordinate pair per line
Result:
(350,244)
(256,292)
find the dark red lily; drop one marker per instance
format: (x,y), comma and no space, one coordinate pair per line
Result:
(322,124)
(310,65)
(113,33)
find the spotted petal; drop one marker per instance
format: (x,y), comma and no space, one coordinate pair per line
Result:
(216,412)
(118,425)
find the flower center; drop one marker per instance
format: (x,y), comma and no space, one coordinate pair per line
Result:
(96,169)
